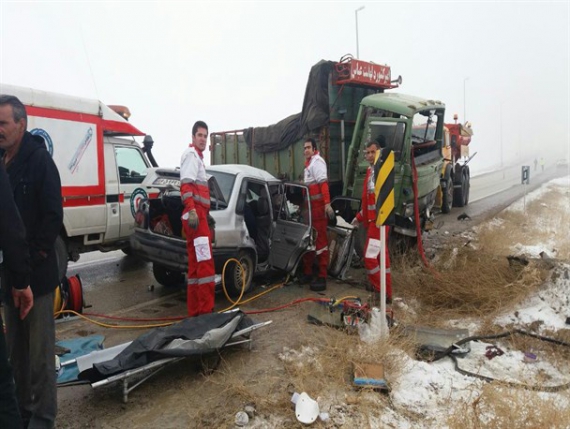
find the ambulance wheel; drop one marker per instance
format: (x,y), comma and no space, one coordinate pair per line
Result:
(166,277)
(61,257)
(233,275)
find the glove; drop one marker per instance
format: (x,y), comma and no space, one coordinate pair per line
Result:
(355,223)
(330,212)
(193,219)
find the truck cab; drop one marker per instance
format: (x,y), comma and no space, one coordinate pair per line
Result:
(413,130)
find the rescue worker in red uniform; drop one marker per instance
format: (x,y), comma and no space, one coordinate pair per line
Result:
(367,217)
(316,179)
(195,196)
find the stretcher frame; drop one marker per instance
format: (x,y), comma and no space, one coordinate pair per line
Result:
(158,365)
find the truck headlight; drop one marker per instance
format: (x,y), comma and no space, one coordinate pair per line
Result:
(409,210)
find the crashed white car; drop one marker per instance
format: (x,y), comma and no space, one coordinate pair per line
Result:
(258,221)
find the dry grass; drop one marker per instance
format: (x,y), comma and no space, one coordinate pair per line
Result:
(465,283)
(546,220)
(321,364)
(500,407)
(471,281)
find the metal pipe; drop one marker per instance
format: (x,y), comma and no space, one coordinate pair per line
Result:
(342,146)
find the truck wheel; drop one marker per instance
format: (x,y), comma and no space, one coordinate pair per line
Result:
(447,196)
(233,276)
(459,192)
(467,187)
(166,277)
(61,256)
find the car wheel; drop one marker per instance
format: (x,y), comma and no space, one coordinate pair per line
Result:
(61,256)
(166,277)
(233,275)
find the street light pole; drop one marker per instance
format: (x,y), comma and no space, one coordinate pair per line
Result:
(501,136)
(464,101)
(356,19)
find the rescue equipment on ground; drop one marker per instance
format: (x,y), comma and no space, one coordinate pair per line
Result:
(69,295)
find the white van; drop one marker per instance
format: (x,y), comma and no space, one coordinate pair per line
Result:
(100,164)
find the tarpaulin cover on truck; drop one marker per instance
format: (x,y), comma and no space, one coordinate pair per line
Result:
(314,115)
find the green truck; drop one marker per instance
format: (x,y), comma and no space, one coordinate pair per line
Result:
(345,107)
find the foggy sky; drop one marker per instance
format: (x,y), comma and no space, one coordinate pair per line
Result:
(240,64)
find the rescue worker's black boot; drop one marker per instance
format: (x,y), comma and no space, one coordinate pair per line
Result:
(304,279)
(319,285)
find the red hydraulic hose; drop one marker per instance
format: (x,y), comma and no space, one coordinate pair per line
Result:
(417,218)
(417,212)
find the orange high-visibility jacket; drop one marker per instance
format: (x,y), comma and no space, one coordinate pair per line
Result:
(316,179)
(194,189)
(367,211)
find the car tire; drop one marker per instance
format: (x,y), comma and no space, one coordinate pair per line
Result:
(233,274)
(166,277)
(61,256)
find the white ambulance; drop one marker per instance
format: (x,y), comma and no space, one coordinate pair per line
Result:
(100,164)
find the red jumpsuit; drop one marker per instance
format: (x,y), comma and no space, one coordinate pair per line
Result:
(367,216)
(317,180)
(195,194)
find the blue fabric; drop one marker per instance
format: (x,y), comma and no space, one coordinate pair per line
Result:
(78,347)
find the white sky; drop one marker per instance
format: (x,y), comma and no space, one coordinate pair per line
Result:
(239,64)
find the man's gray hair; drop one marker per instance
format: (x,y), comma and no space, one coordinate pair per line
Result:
(18,109)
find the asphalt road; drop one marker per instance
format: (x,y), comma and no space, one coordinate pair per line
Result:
(492,192)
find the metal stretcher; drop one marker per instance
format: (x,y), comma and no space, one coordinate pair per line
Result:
(239,337)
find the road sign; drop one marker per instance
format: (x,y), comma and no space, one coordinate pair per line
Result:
(525,176)
(384,187)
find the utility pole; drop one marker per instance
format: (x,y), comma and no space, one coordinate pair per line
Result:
(356,19)
(464,101)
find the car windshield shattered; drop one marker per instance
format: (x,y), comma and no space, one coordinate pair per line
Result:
(225,183)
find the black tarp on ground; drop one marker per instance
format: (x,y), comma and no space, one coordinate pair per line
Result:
(193,336)
(314,115)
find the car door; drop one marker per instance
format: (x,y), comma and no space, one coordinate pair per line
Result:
(343,237)
(292,234)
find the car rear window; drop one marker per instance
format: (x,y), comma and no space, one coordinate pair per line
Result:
(225,182)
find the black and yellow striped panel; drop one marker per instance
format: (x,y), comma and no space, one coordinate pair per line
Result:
(384,187)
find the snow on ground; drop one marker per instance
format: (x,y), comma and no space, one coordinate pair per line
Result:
(548,224)
(428,389)
(550,306)
(425,395)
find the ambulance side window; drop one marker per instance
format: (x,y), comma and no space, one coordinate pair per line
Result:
(131,164)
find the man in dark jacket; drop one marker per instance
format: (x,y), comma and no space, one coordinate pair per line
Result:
(15,261)
(36,187)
